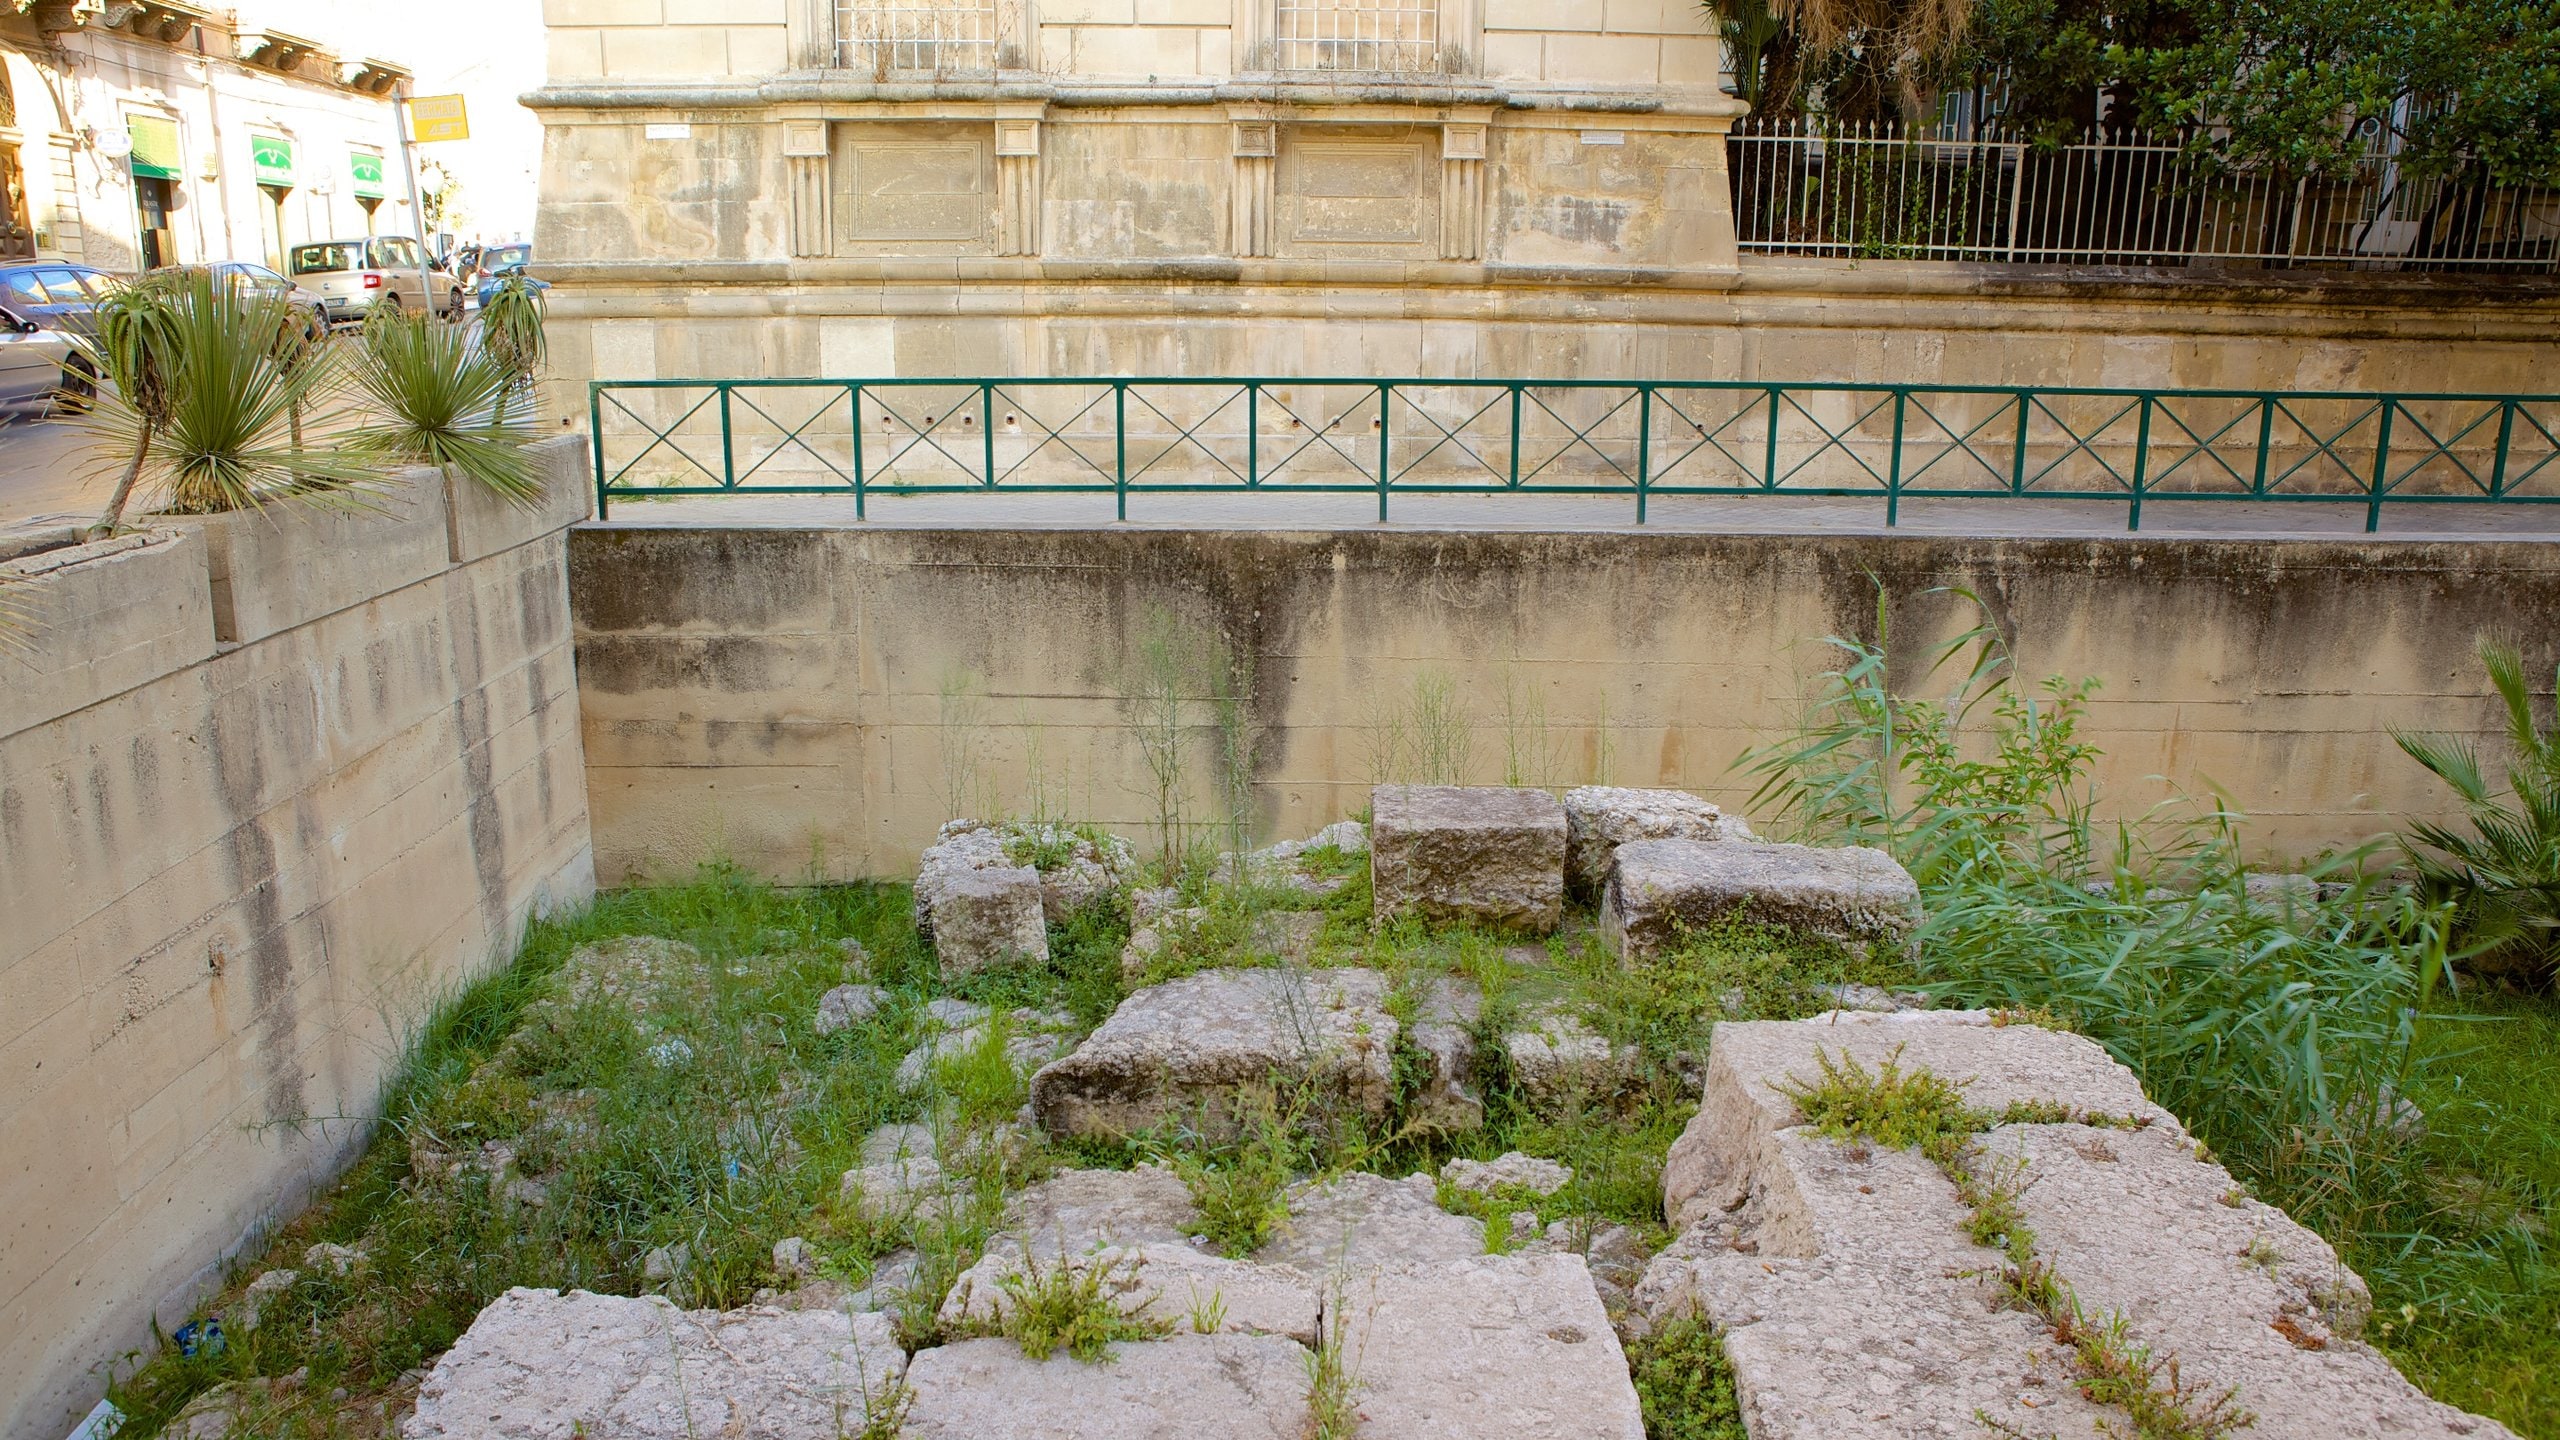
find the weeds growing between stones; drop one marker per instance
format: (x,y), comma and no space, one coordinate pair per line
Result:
(1072,1305)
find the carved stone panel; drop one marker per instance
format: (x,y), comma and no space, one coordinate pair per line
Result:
(1349,194)
(914,190)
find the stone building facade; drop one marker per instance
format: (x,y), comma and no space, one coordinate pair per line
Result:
(1482,188)
(136,133)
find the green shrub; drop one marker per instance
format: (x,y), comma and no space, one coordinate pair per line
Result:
(1072,1306)
(1685,1383)
(2502,880)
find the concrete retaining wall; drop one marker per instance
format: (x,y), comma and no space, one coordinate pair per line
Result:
(826,697)
(234,875)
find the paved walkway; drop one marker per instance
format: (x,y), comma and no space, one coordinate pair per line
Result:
(1671,514)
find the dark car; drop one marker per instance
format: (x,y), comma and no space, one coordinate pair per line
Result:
(260,281)
(55,295)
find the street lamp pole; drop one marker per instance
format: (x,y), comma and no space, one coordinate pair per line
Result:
(417,207)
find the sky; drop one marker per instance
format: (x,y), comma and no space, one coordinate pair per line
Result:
(488,51)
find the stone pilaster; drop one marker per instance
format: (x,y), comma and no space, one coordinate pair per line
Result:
(1018,186)
(1462,192)
(804,150)
(1256,153)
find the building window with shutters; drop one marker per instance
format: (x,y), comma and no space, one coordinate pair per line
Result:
(158,167)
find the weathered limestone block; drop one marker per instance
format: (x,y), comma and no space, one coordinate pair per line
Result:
(906,1170)
(1512,1345)
(1855,1305)
(1751,1065)
(1076,1211)
(1853,895)
(1075,869)
(1168,1282)
(1194,1047)
(1482,854)
(1249,1387)
(2243,1296)
(1557,1060)
(1600,818)
(1444,1031)
(540,1365)
(989,917)
(1362,1221)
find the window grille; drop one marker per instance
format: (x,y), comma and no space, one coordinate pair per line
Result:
(1389,35)
(938,37)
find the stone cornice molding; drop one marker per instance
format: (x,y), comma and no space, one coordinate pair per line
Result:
(1284,94)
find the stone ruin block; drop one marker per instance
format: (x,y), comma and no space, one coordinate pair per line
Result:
(1855,1305)
(1481,854)
(989,917)
(541,1365)
(1856,896)
(1600,818)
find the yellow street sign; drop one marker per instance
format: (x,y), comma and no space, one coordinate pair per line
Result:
(438,117)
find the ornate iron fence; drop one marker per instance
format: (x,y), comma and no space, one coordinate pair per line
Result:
(1803,188)
(1637,440)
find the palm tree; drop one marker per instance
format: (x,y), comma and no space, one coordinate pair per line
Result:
(2503,879)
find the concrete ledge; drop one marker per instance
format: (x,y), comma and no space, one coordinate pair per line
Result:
(481,523)
(99,620)
(284,566)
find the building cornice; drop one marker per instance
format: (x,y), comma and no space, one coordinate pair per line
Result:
(835,87)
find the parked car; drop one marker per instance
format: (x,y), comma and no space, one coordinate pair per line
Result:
(498,262)
(353,276)
(39,366)
(54,295)
(259,280)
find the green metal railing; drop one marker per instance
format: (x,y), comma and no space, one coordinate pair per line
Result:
(1638,440)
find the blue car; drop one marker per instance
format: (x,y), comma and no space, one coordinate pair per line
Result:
(500,262)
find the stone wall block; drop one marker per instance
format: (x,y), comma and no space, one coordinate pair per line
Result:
(482,522)
(289,564)
(1484,854)
(98,620)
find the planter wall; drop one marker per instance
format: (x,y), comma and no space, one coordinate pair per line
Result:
(483,524)
(99,620)
(283,566)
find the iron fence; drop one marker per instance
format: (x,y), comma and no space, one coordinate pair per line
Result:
(1637,440)
(1801,187)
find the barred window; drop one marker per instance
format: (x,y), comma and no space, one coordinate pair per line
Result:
(1388,35)
(938,37)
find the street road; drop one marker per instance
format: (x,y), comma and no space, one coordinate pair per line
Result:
(48,468)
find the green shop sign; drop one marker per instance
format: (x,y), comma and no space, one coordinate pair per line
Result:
(366,166)
(155,147)
(272,159)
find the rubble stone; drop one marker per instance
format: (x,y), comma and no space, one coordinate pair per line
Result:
(1444,1031)
(989,917)
(1512,1170)
(847,1006)
(258,1294)
(1558,1060)
(1191,1048)
(1852,895)
(1480,854)
(540,1365)
(1600,818)
(1237,1387)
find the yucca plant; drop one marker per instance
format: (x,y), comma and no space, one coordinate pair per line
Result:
(511,333)
(209,388)
(2503,879)
(442,401)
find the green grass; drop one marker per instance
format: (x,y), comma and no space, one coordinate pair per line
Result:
(2466,1289)
(1685,1383)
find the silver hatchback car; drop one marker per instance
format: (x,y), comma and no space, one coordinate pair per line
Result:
(351,277)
